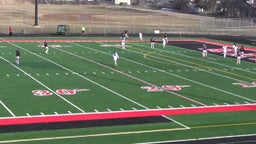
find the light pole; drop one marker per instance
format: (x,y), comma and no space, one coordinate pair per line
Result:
(36,12)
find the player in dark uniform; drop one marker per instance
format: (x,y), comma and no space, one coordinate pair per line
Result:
(126,33)
(18,56)
(152,42)
(122,36)
(238,57)
(242,51)
(46,47)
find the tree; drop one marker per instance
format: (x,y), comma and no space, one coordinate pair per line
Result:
(180,4)
(208,5)
(235,8)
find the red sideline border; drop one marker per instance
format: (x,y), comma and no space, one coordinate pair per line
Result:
(5,121)
(123,114)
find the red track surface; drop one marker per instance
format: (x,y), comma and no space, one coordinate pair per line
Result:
(123,114)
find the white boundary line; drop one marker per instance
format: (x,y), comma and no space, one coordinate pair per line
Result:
(91,135)
(89,81)
(141,110)
(207,72)
(199,83)
(187,56)
(27,74)
(7,108)
(135,79)
(130,76)
(198,139)
(173,53)
(221,90)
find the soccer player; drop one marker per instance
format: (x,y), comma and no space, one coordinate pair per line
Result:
(234,46)
(126,33)
(164,42)
(123,43)
(18,56)
(225,50)
(152,42)
(238,58)
(140,36)
(204,51)
(46,47)
(115,57)
(165,37)
(10,31)
(242,51)
(122,36)
(83,29)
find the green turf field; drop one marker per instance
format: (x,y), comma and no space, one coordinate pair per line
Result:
(80,77)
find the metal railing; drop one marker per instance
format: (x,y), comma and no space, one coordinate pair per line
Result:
(23,23)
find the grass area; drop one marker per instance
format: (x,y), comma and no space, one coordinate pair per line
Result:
(179,77)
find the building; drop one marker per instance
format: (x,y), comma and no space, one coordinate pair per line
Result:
(123,2)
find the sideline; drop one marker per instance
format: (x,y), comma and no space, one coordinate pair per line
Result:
(91,135)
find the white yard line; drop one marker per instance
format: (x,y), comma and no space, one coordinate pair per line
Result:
(7,108)
(197,67)
(91,135)
(114,91)
(130,76)
(186,127)
(230,93)
(181,77)
(198,139)
(27,74)
(187,56)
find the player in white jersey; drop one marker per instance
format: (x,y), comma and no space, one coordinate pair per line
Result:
(123,43)
(115,57)
(165,37)
(18,56)
(204,51)
(140,36)
(225,50)
(164,42)
(235,49)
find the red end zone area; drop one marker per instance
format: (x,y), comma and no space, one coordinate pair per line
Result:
(123,114)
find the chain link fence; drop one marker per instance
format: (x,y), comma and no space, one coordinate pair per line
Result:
(23,23)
